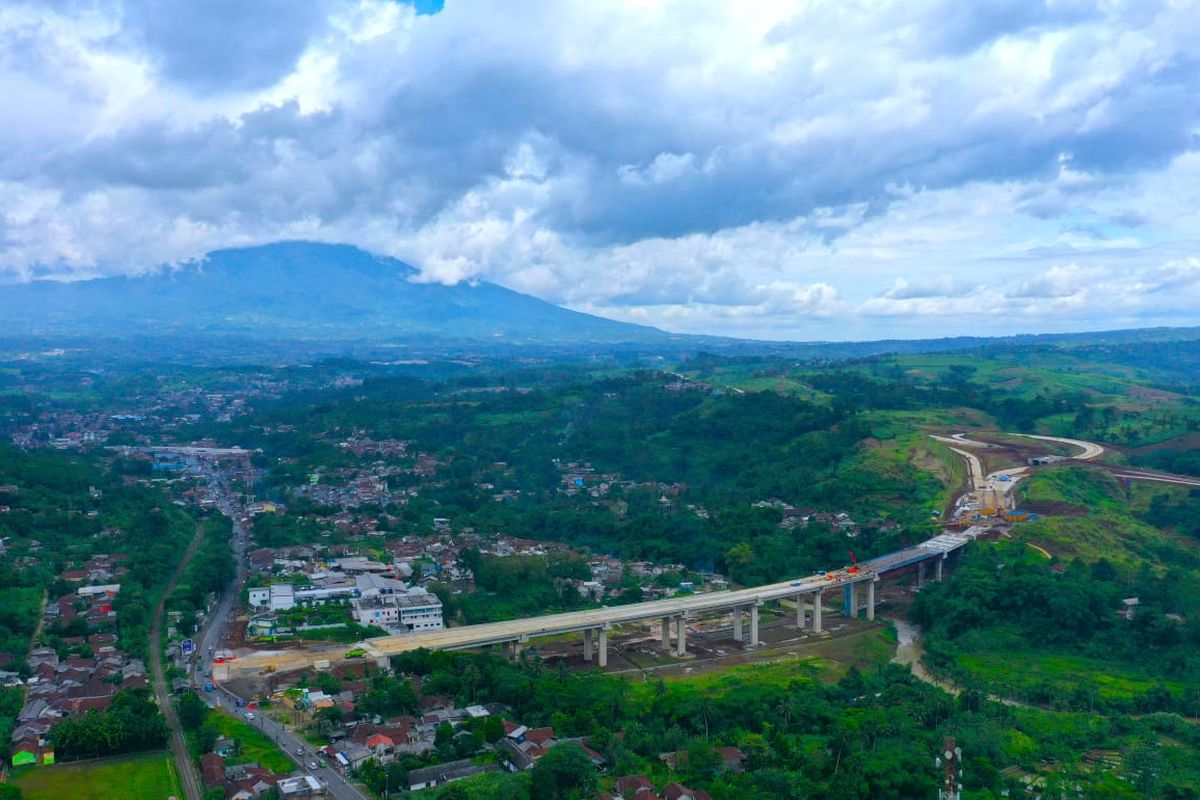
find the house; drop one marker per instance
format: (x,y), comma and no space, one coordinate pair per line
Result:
(522,746)
(732,758)
(212,770)
(440,774)
(675,791)
(300,786)
(25,752)
(635,787)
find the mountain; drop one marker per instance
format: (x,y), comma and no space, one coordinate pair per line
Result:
(298,291)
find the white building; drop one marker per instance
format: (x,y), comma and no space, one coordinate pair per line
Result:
(283,597)
(415,610)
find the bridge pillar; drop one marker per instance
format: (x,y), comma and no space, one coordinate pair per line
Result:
(818,601)
(938,574)
(587,644)
(754,625)
(737,624)
(603,661)
(871,599)
(666,634)
(799,612)
(849,608)
(680,636)
(920,574)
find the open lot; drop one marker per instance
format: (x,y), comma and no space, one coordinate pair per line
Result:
(255,745)
(146,776)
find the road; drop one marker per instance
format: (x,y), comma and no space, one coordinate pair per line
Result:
(209,640)
(469,636)
(188,776)
(987,490)
(1091,450)
(291,744)
(1142,475)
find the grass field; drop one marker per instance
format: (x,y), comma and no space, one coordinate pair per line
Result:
(255,745)
(1064,671)
(146,776)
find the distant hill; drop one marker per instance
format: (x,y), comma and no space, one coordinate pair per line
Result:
(298,291)
(300,300)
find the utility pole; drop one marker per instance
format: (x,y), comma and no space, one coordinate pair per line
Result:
(951,763)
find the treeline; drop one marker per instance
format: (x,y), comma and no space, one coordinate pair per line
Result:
(1179,513)
(722,449)
(1000,598)
(869,735)
(209,572)
(130,724)
(515,586)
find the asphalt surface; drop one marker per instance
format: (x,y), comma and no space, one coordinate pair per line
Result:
(468,636)
(210,640)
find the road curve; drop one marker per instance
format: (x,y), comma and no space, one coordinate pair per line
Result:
(192,787)
(1091,450)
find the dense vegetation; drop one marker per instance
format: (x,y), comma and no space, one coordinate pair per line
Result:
(804,732)
(130,724)
(699,457)
(60,511)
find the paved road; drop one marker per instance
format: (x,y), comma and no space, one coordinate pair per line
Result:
(192,787)
(469,636)
(295,747)
(1140,475)
(1090,450)
(210,640)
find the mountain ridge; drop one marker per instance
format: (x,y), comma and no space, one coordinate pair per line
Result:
(299,289)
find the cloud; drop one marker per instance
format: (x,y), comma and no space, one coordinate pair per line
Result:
(681,160)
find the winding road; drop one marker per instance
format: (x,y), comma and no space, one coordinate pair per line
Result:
(1091,450)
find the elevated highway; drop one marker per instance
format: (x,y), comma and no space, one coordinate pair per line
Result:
(856,585)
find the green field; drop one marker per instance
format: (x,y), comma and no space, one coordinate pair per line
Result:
(1057,674)
(255,746)
(146,776)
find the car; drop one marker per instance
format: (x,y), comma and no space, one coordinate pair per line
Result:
(249,715)
(299,751)
(313,765)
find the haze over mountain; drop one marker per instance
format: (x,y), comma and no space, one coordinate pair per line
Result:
(299,291)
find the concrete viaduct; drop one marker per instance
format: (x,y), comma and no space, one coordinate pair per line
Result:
(810,594)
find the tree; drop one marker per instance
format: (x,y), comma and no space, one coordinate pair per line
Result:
(566,771)
(191,710)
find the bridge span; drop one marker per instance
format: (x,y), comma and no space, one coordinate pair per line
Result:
(856,585)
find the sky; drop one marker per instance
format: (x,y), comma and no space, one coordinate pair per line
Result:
(777,170)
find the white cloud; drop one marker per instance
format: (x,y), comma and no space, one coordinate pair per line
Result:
(692,164)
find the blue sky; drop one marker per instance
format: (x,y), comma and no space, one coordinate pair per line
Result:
(803,170)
